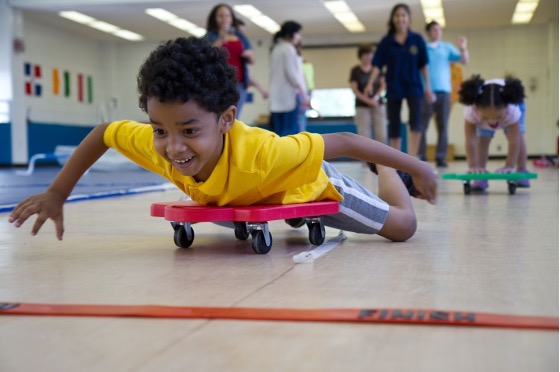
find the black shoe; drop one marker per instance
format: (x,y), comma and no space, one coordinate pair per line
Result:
(441,163)
(295,222)
(407,180)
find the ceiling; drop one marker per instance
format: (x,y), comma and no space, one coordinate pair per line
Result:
(319,26)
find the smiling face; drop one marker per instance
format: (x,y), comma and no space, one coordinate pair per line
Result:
(401,19)
(189,137)
(224,18)
(491,115)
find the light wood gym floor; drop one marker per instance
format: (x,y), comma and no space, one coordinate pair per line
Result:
(484,253)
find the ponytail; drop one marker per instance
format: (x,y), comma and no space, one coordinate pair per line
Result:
(491,93)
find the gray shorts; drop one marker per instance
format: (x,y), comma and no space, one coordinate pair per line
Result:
(361,211)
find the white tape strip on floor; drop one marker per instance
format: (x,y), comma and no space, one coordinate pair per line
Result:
(310,256)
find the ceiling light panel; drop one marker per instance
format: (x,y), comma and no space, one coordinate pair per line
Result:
(100,25)
(175,21)
(342,12)
(257,17)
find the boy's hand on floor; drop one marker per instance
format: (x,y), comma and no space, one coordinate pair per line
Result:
(45,205)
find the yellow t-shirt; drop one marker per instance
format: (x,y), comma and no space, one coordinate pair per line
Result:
(256,166)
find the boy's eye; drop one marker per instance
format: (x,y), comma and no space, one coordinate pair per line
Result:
(159,132)
(190,131)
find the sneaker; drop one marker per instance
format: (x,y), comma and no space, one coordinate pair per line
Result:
(479,185)
(407,180)
(523,183)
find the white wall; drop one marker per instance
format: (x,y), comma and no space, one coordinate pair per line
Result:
(52,48)
(529,52)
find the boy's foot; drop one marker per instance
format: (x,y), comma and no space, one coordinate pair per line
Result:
(405,177)
(479,185)
(407,180)
(523,183)
(295,222)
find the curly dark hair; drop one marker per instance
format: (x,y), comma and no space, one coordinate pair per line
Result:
(188,68)
(474,91)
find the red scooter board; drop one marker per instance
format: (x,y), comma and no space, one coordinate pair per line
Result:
(377,315)
(248,220)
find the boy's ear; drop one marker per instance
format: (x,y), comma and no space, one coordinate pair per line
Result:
(227,118)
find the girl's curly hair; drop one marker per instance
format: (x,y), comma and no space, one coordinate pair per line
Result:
(185,69)
(474,91)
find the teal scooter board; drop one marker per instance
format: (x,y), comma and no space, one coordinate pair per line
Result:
(510,178)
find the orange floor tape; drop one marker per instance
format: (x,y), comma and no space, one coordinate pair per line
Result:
(381,315)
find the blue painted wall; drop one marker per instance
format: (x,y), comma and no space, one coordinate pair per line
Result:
(44,137)
(5,144)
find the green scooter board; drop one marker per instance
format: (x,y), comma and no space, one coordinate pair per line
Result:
(510,178)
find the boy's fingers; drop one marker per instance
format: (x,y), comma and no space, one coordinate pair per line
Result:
(59,226)
(38,224)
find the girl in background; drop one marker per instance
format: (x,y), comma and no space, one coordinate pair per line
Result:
(492,105)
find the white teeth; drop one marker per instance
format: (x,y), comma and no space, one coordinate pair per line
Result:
(182,161)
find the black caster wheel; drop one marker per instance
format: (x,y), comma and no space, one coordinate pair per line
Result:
(241,230)
(316,232)
(261,241)
(467,188)
(183,235)
(511,188)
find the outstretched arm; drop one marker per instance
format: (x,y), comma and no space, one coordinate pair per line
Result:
(368,150)
(49,204)
(471,147)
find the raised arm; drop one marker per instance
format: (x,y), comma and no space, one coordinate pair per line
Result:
(463,48)
(49,204)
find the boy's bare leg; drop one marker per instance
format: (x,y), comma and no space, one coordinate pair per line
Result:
(401,221)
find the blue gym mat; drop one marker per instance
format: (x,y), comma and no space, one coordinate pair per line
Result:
(95,184)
